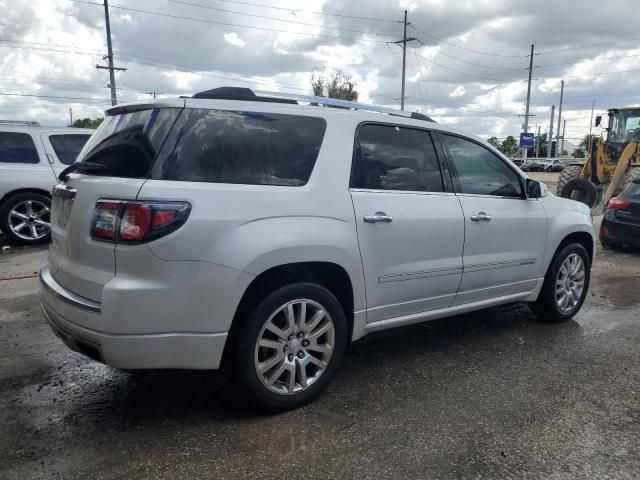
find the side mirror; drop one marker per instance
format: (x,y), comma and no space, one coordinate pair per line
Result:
(536,189)
(598,120)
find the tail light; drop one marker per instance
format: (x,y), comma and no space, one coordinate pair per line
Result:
(616,203)
(121,221)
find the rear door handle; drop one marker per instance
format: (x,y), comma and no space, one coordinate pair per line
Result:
(378,217)
(480,217)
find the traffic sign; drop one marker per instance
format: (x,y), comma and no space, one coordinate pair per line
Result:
(526,140)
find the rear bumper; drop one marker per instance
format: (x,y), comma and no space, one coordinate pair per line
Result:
(618,232)
(65,312)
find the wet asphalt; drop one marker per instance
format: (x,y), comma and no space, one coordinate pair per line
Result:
(495,394)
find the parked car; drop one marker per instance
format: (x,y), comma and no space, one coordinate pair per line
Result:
(532,167)
(621,222)
(31,157)
(239,231)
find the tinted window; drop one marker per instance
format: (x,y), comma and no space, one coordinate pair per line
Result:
(479,171)
(632,192)
(241,147)
(67,147)
(395,158)
(127,144)
(17,148)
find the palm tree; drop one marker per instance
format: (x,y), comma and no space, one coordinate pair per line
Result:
(586,141)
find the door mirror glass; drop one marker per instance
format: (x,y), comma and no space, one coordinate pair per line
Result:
(598,120)
(536,189)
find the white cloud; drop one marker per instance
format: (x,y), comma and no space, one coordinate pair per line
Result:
(234,39)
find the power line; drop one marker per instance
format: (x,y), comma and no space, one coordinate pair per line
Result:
(326,14)
(209,7)
(567,49)
(586,60)
(457,71)
(479,52)
(229,24)
(489,67)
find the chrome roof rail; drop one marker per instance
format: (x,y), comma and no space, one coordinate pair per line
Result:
(334,102)
(24,123)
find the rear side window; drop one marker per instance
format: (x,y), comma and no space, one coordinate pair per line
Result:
(17,148)
(241,147)
(67,147)
(127,144)
(387,157)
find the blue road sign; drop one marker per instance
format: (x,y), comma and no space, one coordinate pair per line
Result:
(526,140)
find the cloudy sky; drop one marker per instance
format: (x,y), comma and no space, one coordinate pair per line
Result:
(467,66)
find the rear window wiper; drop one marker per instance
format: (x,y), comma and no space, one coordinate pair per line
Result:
(81,167)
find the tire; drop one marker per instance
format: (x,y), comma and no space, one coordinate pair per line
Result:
(633,173)
(570,172)
(22,230)
(548,306)
(580,190)
(294,358)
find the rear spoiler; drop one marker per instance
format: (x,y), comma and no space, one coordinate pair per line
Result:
(146,105)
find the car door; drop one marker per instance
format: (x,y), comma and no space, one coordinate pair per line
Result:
(505,233)
(410,230)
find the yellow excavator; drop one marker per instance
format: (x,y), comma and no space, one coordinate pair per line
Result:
(612,164)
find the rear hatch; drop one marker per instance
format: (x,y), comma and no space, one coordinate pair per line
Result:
(115,163)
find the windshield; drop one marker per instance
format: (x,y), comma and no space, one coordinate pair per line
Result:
(624,126)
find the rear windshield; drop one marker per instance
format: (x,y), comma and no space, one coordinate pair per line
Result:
(127,144)
(241,147)
(67,147)
(632,192)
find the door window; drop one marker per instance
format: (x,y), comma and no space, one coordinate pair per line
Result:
(387,157)
(17,148)
(479,171)
(67,147)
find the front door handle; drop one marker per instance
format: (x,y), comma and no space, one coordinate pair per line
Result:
(480,217)
(378,217)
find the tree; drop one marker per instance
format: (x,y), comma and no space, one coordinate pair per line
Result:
(337,85)
(88,123)
(578,153)
(494,142)
(509,146)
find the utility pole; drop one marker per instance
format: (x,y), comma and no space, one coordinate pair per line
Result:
(564,127)
(404,42)
(559,118)
(70,117)
(526,111)
(550,137)
(154,93)
(538,143)
(109,57)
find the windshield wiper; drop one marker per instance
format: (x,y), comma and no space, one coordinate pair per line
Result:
(80,167)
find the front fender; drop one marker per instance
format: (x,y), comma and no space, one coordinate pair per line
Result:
(563,223)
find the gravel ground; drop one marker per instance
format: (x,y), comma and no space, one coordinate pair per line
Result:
(495,394)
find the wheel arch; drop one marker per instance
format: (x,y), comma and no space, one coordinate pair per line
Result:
(330,275)
(23,190)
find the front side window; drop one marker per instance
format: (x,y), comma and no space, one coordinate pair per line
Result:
(17,148)
(67,147)
(249,148)
(387,157)
(479,171)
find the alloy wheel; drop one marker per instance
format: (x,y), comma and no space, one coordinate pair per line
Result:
(294,347)
(30,220)
(570,283)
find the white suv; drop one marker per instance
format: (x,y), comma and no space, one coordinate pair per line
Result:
(263,236)
(31,157)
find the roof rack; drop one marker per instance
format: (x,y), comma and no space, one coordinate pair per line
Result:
(24,123)
(246,94)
